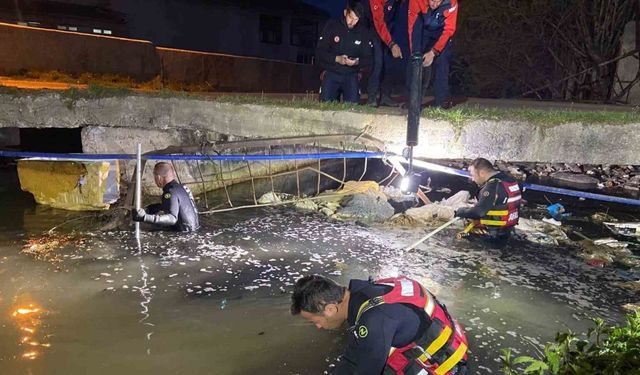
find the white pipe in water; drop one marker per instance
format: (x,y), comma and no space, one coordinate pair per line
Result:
(138,187)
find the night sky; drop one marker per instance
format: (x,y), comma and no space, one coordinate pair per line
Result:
(334,7)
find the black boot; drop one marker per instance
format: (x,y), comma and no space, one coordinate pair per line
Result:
(386,101)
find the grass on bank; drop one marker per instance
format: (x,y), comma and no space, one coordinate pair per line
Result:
(462,115)
(110,85)
(603,349)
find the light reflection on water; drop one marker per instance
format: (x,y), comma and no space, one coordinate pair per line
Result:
(217,301)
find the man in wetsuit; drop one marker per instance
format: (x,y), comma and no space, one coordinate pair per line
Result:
(177,211)
(396,325)
(497,210)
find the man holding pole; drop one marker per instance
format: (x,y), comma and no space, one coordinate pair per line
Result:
(497,210)
(177,211)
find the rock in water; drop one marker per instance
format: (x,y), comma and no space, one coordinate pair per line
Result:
(573,180)
(365,207)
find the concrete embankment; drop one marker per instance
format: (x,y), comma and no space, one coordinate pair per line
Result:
(114,124)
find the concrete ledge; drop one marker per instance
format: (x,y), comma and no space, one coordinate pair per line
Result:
(499,140)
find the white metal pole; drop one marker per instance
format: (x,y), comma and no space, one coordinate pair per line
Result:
(138,186)
(438,229)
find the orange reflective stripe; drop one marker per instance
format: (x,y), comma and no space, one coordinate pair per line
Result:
(430,305)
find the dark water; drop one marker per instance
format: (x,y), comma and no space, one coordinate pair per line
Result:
(217,302)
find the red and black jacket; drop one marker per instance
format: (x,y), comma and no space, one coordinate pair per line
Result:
(439,26)
(382,13)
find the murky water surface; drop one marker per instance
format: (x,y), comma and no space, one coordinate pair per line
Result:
(217,302)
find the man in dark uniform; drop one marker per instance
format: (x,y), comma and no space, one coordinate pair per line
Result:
(439,27)
(343,48)
(396,325)
(177,211)
(497,210)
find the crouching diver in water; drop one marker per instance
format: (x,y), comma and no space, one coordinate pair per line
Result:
(177,211)
(397,326)
(497,210)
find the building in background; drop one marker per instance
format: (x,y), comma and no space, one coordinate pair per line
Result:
(282,30)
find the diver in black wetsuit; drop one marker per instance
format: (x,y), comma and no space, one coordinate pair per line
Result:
(177,211)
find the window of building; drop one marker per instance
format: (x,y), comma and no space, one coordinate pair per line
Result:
(22,23)
(60,27)
(33,24)
(270,29)
(304,33)
(72,28)
(106,32)
(97,31)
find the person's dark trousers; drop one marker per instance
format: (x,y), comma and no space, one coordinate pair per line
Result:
(334,84)
(394,74)
(373,86)
(441,66)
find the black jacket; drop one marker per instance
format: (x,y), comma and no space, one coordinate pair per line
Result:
(491,194)
(337,39)
(386,326)
(177,210)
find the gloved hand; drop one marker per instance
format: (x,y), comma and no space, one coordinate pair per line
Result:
(138,215)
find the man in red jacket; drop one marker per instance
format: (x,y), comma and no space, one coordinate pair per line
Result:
(439,24)
(399,25)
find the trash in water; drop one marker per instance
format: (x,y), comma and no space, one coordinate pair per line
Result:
(611,242)
(624,229)
(223,304)
(557,211)
(552,221)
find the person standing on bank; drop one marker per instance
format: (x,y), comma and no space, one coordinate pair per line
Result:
(342,50)
(396,326)
(178,209)
(498,207)
(439,24)
(399,25)
(379,20)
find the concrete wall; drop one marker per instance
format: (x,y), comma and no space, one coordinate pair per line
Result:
(501,140)
(232,74)
(26,48)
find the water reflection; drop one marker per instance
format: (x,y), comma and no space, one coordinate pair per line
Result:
(28,318)
(210,300)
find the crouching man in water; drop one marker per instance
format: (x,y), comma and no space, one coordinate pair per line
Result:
(396,326)
(497,210)
(177,211)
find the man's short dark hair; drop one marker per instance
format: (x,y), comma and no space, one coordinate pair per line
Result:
(313,293)
(482,164)
(162,169)
(356,7)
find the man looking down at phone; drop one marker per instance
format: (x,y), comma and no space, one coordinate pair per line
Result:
(343,49)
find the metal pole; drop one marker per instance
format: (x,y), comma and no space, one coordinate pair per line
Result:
(138,188)
(432,233)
